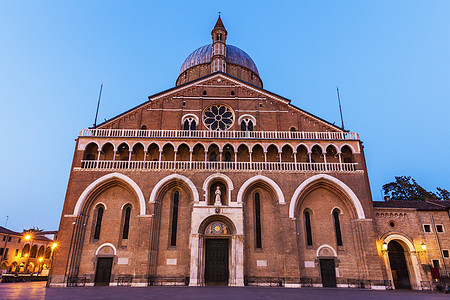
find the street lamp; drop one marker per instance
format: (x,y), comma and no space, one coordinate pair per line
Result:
(384,247)
(40,264)
(54,245)
(27,255)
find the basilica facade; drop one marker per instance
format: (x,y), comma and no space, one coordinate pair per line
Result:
(219,181)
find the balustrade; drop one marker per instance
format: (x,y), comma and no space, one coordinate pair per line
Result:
(217,165)
(206,134)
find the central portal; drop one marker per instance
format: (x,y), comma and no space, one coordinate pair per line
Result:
(216,262)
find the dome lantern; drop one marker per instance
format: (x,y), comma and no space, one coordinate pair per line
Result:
(219,57)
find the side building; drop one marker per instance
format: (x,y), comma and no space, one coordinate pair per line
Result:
(25,253)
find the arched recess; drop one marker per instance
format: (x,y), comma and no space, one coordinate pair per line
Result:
(264,179)
(174,177)
(213,177)
(87,192)
(410,253)
(342,186)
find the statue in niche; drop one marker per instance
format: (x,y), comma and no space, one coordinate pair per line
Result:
(218,200)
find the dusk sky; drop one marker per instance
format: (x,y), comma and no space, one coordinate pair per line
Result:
(390,59)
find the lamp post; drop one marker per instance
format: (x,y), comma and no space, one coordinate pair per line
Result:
(27,255)
(54,245)
(40,264)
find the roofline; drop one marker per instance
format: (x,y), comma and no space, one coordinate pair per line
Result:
(287,101)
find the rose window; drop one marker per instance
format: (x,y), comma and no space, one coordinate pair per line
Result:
(218,117)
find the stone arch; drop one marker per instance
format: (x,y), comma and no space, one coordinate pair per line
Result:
(87,192)
(265,179)
(348,145)
(342,186)
(202,226)
(84,146)
(210,178)
(174,177)
(413,262)
(106,245)
(190,116)
(322,249)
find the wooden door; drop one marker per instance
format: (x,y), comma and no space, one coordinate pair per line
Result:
(328,272)
(216,262)
(103,273)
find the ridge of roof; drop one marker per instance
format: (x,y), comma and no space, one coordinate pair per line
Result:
(159,94)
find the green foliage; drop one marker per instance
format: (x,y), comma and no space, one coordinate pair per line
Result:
(406,188)
(443,194)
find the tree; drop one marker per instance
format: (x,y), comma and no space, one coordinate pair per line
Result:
(443,194)
(406,188)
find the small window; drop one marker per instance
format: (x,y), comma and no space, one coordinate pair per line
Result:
(445,253)
(232,93)
(4,238)
(204,93)
(260,105)
(427,227)
(392,224)
(435,263)
(258,221)
(292,128)
(184,103)
(143,127)
(17,252)
(175,203)
(9,239)
(440,228)
(1,251)
(19,240)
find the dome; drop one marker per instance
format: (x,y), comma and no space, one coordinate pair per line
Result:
(234,56)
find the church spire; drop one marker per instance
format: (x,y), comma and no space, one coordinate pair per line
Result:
(219,53)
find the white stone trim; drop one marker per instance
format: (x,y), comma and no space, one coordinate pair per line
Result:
(189,116)
(210,178)
(101,180)
(166,179)
(104,245)
(415,283)
(267,180)
(326,246)
(350,146)
(343,186)
(102,203)
(247,116)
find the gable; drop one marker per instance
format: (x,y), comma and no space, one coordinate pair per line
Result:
(274,112)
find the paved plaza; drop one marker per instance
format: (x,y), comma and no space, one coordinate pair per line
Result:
(37,290)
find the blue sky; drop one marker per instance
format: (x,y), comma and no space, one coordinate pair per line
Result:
(390,59)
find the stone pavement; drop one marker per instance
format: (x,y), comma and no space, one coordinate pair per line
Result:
(37,290)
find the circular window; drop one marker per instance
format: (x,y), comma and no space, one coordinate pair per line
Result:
(392,224)
(218,117)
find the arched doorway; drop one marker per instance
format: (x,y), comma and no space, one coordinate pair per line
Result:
(217,245)
(399,269)
(105,255)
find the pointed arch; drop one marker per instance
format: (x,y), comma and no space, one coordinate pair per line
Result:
(351,195)
(169,178)
(267,180)
(100,181)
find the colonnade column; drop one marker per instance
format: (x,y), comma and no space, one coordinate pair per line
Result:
(309,158)
(159,162)
(340,160)
(190,158)
(129,158)
(325,161)
(295,160)
(98,157)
